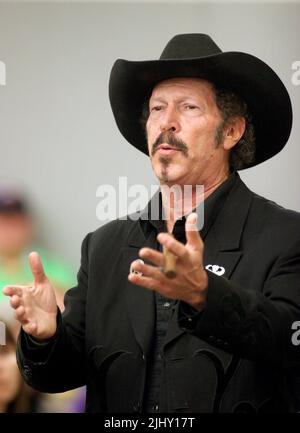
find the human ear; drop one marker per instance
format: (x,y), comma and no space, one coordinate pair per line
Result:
(233,132)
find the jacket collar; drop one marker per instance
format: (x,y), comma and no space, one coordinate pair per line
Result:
(229,224)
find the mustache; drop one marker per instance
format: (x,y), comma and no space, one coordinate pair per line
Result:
(169,138)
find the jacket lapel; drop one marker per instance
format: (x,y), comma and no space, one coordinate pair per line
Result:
(223,241)
(140,301)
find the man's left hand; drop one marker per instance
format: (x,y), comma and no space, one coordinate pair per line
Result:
(191,281)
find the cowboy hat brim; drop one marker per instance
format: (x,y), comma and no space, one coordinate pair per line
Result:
(244,74)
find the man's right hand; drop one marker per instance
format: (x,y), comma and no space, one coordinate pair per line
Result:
(35,305)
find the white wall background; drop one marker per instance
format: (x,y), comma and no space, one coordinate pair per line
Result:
(58,138)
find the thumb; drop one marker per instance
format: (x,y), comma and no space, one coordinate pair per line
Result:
(36,267)
(192,233)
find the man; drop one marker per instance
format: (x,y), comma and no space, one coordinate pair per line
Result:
(218,336)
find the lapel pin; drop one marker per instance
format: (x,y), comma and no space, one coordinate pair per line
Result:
(216,269)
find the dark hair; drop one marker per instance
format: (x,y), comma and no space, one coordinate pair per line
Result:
(230,104)
(12,202)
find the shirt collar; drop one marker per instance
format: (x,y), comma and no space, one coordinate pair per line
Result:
(152,216)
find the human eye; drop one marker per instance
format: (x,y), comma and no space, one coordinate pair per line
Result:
(156,108)
(191,107)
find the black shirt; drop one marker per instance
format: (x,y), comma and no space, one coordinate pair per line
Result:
(164,306)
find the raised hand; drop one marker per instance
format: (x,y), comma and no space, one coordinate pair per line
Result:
(191,282)
(35,305)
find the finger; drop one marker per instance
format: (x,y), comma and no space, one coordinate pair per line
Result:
(193,237)
(15,301)
(13,290)
(29,327)
(173,245)
(154,256)
(20,314)
(152,284)
(148,271)
(148,283)
(36,267)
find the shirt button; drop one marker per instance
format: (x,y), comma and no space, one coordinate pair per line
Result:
(136,406)
(159,356)
(190,319)
(167,305)
(156,407)
(144,357)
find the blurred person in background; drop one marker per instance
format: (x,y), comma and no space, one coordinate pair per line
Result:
(15,395)
(17,237)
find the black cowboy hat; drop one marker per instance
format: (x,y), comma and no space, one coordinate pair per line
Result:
(196,55)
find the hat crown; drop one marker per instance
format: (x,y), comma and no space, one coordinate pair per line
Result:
(188,46)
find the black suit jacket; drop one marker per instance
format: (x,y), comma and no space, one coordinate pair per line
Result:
(237,357)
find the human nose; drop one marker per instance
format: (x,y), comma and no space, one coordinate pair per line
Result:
(170,121)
